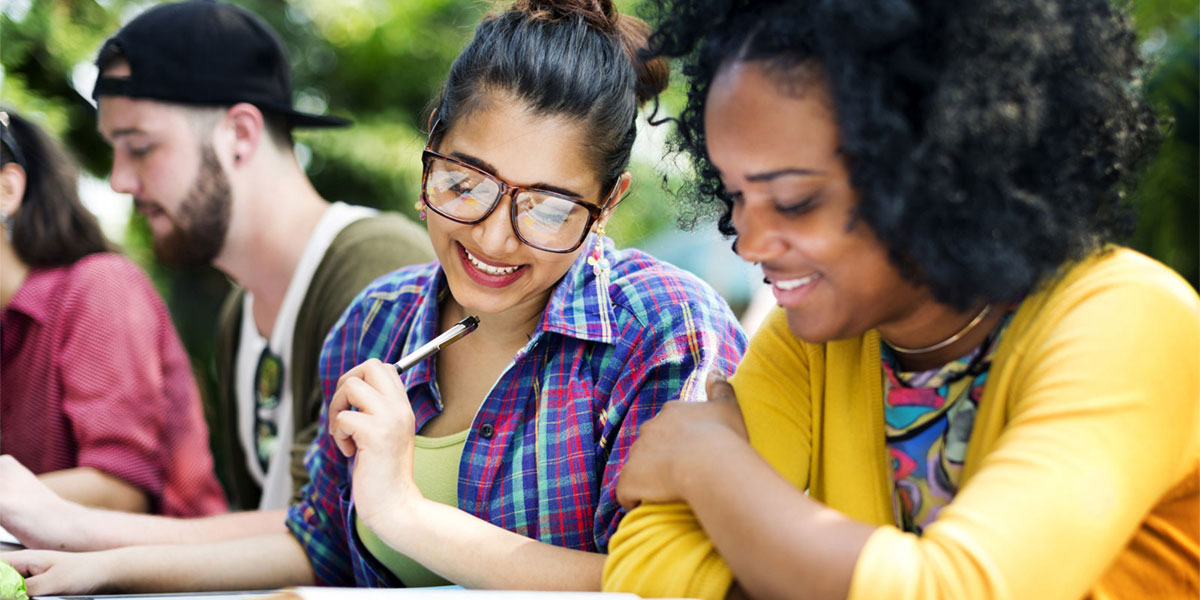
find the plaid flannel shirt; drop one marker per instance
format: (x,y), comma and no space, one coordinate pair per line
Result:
(546,445)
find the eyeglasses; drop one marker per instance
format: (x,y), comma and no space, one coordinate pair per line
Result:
(268,390)
(542,219)
(10,142)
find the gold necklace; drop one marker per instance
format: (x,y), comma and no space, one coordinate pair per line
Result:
(946,342)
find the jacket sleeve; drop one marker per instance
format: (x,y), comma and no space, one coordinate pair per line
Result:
(661,550)
(1104,424)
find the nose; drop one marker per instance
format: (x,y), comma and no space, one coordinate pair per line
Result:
(758,239)
(495,234)
(122,179)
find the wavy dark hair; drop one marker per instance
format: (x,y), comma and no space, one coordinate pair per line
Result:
(51,228)
(579,59)
(988,140)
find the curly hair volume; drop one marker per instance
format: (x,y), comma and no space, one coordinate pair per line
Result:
(988,140)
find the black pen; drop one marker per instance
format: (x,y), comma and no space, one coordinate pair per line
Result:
(455,333)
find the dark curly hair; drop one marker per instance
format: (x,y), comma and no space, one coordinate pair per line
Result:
(988,140)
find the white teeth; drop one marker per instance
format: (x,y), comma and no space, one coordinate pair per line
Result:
(489,269)
(792,284)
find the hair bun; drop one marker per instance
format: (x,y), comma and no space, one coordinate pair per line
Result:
(653,74)
(630,32)
(600,14)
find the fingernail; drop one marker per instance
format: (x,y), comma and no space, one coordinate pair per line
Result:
(715,376)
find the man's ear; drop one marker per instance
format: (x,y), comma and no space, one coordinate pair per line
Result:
(12,188)
(247,126)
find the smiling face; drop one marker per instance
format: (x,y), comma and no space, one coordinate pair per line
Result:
(489,270)
(171,172)
(777,154)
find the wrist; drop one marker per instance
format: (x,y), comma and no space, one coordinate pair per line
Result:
(403,522)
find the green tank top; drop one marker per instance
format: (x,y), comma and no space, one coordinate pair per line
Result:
(435,471)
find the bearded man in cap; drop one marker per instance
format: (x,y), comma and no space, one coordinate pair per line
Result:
(195,98)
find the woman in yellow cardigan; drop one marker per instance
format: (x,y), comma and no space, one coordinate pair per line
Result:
(968,391)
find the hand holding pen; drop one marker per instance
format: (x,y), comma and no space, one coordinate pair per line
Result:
(371,420)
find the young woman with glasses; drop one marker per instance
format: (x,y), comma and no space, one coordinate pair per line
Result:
(968,391)
(494,463)
(99,399)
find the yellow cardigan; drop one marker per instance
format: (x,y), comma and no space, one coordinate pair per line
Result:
(1080,476)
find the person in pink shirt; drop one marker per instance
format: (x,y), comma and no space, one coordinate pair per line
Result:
(98,398)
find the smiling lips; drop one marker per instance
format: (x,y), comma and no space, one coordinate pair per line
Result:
(487,274)
(790,292)
(791,284)
(489,269)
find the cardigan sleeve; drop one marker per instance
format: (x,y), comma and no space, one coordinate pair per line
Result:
(1104,424)
(661,550)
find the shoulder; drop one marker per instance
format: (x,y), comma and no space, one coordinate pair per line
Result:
(646,288)
(402,286)
(659,302)
(363,251)
(1116,320)
(405,239)
(105,269)
(1117,282)
(107,278)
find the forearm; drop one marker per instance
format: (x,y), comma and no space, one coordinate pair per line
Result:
(107,529)
(778,541)
(476,554)
(267,561)
(92,487)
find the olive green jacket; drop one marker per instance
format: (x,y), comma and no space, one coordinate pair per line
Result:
(360,253)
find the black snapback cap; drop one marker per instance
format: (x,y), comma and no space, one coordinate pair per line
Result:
(207,53)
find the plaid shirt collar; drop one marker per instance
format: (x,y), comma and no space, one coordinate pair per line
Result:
(578,308)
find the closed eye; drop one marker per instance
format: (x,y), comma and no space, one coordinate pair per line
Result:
(797,208)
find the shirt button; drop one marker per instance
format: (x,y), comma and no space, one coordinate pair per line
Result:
(486,430)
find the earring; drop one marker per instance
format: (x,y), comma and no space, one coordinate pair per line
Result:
(600,265)
(601,268)
(7,221)
(419,206)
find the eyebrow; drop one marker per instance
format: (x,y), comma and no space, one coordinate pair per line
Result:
(485,166)
(124,132)
(769,175)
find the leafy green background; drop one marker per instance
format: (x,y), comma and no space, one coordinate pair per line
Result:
(380,62)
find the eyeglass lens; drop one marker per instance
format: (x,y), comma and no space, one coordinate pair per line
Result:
(541,219)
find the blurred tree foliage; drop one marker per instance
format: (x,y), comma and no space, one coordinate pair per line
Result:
(1168,194)
(380,62)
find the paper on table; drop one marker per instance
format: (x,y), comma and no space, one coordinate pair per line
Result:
(315,593)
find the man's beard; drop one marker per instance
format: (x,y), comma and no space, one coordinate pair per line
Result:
(202,222)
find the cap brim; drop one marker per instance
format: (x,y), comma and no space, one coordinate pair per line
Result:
(152,90)
(301,119)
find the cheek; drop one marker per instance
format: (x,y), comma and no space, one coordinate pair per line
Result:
(552,267)
(442,230)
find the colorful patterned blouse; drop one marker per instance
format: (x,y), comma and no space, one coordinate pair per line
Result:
(545,447)
(928,420)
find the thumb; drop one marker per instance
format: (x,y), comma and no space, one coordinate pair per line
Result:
(718,389)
